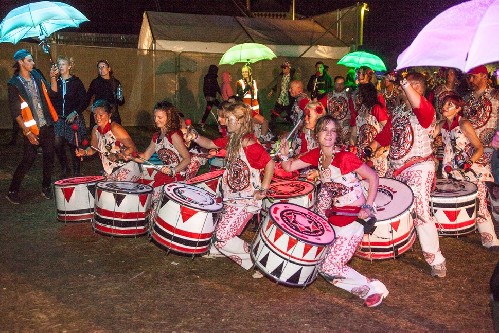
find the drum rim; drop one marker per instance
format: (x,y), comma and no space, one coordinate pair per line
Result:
(99,186)
(97,180)
(300,239)
(292,196)
(190,206)
(474,192)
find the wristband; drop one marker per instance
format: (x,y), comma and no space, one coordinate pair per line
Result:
(27,133)
(172,171)
(284,158)
(367,206)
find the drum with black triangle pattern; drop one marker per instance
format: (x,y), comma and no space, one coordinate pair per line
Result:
(121,208)
(75,198)
(291,244)
(184,222)
(453,203)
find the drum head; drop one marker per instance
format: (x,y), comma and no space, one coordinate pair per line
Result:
(205,177)
(393,198)
(448,188)
(302,223)
(124,187)
(192,197)
(290,189)
(78,180)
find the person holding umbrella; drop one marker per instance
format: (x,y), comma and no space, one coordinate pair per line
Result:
(247,89)
(31,107)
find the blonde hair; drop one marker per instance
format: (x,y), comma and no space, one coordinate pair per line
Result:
(69,60)
(242,112)
(250,71)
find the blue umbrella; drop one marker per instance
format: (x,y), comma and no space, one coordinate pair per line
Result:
(38,19)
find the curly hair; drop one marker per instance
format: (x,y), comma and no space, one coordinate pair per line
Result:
(242,112)
(172,115)
(326,120)
(369,95)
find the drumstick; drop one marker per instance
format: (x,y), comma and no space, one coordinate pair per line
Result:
(155,166)
(293,132)
(75,129)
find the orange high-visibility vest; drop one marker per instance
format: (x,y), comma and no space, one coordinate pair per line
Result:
(253,102)
(27,115)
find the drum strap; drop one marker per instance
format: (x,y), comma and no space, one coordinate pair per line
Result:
(411,163)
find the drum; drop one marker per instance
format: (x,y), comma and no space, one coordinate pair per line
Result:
(74,198)
(216,163)
(151,176)
(184,222)
(453,203)
(291,244)
(208,181)
(395,231)
(297,192)
(121,208)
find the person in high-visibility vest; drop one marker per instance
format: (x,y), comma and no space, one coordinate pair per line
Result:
(30,106)
(247,89)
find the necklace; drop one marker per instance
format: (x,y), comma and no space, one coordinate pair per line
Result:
(389,94)
(321,159)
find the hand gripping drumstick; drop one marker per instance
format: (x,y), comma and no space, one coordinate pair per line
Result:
(293,134)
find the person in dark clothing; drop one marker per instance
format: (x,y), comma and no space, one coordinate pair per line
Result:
(284,100)
(320,83)
(106,87)
(70,103)
(30,105)
(210,90)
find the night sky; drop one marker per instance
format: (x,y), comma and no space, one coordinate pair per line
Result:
(390,25)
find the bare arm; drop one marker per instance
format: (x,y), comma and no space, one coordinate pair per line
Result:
(268,172)
(373,180)
(179,145)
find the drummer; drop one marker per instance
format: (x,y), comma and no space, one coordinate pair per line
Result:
(461,163)
(242,187)
(168,144)
(113,143)
(341,192)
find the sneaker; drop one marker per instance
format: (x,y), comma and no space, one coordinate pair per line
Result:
(439,270)
(47,193)
(375,299)
(13,197)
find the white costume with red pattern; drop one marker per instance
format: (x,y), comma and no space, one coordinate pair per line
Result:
(338,106)
(482,113)
(115,170)
(457,151)
(341,187)
(239,183)
(411,162)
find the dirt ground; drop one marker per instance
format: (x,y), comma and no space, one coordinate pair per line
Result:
(57,277)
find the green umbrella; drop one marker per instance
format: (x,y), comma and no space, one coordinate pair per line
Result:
(247,53)
(360,58)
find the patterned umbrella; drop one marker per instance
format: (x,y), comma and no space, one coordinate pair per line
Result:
(38,19)
(247,53)
(360,58)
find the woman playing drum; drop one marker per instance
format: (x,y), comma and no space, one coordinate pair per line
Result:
(341,194)
(242,189)
(168,144)
(113,143)
(463,160)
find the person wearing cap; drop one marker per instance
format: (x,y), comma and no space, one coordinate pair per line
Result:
(106,86)
(284,100)
(31,107)
(410,160)
(482,105)
(320,82)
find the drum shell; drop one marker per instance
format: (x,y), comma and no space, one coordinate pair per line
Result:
(75,198)
(285,258)
(390,239)
(182,229)
(395,233)
(455,216)
(121,214)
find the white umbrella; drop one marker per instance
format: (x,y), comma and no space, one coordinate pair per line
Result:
(463,37)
